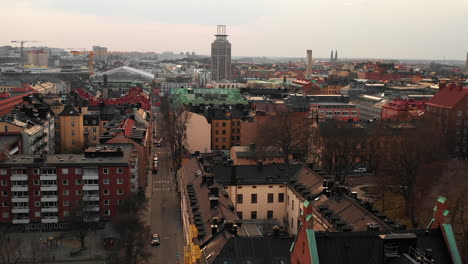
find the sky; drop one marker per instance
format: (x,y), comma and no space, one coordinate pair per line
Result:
(396,29)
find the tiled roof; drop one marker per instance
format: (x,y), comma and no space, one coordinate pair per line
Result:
(448,96)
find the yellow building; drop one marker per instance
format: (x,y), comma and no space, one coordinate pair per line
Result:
(332,89)
(71,130)
(225,129)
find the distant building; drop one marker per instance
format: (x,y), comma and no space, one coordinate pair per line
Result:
(71,130)
(100,53)
(167,86)
(202,77)
(370,107)
(401,109)
(38,58)
(221,56)
(198,134)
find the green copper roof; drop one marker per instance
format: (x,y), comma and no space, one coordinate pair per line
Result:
(441,199)
(308,217)
(306,203)
(216,96)
(312,246)
(452,243)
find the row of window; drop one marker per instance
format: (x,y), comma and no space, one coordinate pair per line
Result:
(54,171)
(254,198)
(253,214)
(64,182)
(38,214)
(344,113)
(64,192)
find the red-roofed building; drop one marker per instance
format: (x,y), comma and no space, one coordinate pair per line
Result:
(450,107)
(135,95)
(402,109)
(8,100)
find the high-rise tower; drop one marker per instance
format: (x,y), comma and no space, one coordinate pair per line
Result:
(336,55)
(221,56)
(309,64)
(331,56)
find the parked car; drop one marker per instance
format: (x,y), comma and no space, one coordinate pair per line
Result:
(155,158)
(155,241)
(360,170)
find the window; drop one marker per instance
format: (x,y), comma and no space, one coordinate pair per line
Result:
(3,171)
(72,124)
(253,198)
(119,170)
(293,204)
(106,192)
(105,170)
(224,132)
(106,181)
(5,204)
(253,215)
(36,182)
(78,171)
(239,214)
(106,202)
(37,193)
(216,140)
(5,215)
(217,132)
(78,192)
(66,213)
(280,197)
(269,214)
(65,182)
(37,204)
(4,193)
(119,191)
(65,171)
(224,124)
(119,180)
(459,113)
(73,133)
(4,183)
(224,147)
(94,129)
(270,198)
(36,171)
(78,182)
(107,212)
(66,203)
(254,187)
(65,192)
(240,198)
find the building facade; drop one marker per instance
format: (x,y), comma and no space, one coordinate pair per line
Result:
(42,191)
(72,138)
(221,56)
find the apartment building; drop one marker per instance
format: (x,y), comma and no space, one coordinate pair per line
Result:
(41,191)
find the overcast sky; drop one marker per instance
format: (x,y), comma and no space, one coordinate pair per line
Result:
(400,29)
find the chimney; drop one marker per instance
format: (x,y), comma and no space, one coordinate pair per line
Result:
(214,229)
(214,191)
(214,202)
(372,227)
(204,179)
(233,174)
(209,180)
(260,165)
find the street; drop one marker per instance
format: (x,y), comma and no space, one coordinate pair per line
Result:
(164,213)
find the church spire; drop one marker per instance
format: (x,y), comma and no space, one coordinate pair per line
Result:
(331,55)
(336,55)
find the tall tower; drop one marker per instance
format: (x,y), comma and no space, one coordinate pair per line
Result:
(336,55)
(331,56)
(309,64)
(221,56)
(466,63)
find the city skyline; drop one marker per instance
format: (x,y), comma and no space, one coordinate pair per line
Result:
(359,29)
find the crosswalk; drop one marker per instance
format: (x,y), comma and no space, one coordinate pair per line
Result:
(163,189)
(164,181)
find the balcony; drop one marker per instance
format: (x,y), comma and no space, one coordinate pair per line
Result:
(90,176)
(90,197)
(91,187)
(19,188)
(49,198)
(20,221)
(19,177)
(48,177)
(20,199)
(51,219)
(47,188)
(19,209)
(91,208)
(49,210)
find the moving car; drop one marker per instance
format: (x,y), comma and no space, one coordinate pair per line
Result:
(360,170)
(155,241)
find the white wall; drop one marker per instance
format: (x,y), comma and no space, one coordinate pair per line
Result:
(198,134)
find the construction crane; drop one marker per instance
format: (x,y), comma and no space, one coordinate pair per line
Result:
(22,48)
(90,58)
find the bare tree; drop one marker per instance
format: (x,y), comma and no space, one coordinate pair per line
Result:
(414,145)
(80,222)
(10,246)
(286,133)
(134,234)
(341,148)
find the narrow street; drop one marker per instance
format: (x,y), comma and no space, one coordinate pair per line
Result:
(164,213)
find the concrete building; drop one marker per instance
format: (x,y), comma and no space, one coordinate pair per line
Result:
(370,107)
(221,56)
(41,191)
(228,85)
(100,53)
(202,77)
(167,86)
(37,58)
